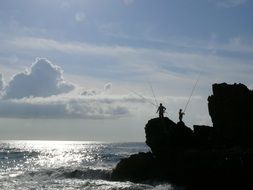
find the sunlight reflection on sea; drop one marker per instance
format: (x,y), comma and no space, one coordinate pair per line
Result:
(65,165)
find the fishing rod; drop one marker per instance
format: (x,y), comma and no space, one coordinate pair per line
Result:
(193,89)
(144,98)
(152,90)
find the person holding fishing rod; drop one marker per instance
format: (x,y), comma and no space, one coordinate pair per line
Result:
(180,114)
(161,109)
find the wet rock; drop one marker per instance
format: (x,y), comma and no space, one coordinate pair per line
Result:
(138,167)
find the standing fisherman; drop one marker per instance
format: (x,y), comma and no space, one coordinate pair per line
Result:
(181,114)
(161,109)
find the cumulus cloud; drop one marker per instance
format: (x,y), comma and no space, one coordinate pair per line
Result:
(43,79)
(42,92)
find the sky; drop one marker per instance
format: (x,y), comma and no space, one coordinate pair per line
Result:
(96,69)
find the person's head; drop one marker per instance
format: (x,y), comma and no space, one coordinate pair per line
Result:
(160,104)
(180,110)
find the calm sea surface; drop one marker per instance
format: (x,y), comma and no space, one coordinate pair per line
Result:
(66,165)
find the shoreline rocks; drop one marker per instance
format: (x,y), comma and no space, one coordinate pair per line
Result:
(218,157)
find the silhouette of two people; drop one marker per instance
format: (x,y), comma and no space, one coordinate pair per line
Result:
(161,109)
(180,114)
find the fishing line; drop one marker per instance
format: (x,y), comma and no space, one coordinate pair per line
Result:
(144,98)
(153,92)
(193,89)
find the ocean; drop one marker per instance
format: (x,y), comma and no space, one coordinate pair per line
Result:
(67,165)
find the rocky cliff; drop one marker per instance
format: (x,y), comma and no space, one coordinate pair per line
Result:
(231,110)
(220,156)
(163,136)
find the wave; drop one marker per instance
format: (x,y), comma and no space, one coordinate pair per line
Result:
(86,178)
(102,185)
(88,174)
(14,154)
(60,173)
(93,179)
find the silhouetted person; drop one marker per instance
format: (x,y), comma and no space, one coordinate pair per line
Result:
(181,114)
(161,109)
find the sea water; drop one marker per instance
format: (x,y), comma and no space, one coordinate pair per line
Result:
(67,165)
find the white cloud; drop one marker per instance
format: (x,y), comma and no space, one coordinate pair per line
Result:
(108,87)
(235,45)
(102,106)
(41,80)
(65,107)
(229,3)
(80,16)
(165,66)
(70,47)
(90,92)
(1,82)
(40,93)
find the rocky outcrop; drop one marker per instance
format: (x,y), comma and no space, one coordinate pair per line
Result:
(218,157)
(137,167)
(163,136)
(231,110)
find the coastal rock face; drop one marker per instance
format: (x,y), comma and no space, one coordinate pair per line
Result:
(163,135)
(231,110)
(218,157)
(137,167)
(203,136)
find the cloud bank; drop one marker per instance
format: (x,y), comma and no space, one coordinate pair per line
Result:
(67,107)
(42,92)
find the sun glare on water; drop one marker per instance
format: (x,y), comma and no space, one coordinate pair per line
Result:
(53,154)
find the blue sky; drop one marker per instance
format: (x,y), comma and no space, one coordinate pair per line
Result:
(70,65)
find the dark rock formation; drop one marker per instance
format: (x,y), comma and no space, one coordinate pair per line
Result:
(203,136)
(163,135)
(231,110)
(218,157)
(142,168)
